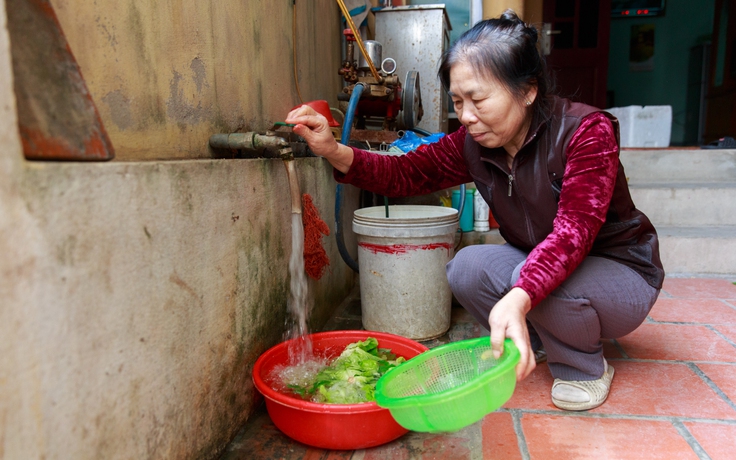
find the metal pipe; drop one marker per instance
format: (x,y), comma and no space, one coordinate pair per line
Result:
(253,141)
(250,141)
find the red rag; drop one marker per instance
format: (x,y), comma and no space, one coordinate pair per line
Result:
(315,257)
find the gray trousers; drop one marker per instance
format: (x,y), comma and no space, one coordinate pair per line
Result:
(600,299)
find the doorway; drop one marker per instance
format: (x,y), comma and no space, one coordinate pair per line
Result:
(577,33)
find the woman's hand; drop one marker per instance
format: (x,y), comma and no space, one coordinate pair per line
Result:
(313,127)
(508,319)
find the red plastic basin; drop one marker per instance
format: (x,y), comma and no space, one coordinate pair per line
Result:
(331,426)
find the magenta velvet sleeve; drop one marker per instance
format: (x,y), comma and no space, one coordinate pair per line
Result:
(587,189)
(430,168)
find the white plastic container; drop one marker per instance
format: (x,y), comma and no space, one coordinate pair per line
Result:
(402,258)
(480,213)
(644,126)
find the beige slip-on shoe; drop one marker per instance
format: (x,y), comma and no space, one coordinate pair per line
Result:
(582,394)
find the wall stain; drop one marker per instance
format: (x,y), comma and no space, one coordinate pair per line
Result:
(178,108)
(260,106)
(65,251)
(174,278)
(260,316)
(149,99)
(200,74)
(181,183)
(119,106)
(256,34)
(108,33)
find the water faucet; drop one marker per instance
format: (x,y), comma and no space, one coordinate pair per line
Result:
(266,144)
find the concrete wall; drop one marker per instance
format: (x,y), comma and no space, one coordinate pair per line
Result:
(167,74)
(136,295)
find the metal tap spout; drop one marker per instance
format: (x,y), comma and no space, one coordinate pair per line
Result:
(268,145)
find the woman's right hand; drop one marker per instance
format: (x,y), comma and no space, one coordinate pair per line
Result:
(313,127)
(508,319)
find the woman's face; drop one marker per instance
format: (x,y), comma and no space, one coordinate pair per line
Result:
(491,114)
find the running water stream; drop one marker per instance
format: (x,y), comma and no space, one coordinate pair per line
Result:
(297,303)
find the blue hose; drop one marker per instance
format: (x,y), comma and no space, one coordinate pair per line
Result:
(347,127)
(347,124)
(421,131)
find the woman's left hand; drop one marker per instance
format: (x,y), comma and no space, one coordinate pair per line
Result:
(313,127)
(508,319)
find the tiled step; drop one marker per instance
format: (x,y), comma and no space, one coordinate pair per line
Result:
(687,204)
(679,166)
(690,197)
(698,250)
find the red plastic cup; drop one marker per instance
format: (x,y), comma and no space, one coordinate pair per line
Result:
(322,107)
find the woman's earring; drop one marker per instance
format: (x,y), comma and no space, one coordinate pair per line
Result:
(528,103)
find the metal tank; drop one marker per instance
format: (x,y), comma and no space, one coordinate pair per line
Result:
(416,36)
(373,48)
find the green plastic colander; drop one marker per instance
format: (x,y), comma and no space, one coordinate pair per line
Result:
(449,387)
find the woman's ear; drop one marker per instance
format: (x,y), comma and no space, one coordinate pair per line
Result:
(531,94)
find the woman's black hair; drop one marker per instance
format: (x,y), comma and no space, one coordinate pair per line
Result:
(506,49)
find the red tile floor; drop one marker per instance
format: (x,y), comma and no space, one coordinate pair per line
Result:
(673,396)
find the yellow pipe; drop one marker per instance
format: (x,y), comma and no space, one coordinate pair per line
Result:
(356,33)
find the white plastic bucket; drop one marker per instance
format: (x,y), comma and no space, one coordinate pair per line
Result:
(402,258)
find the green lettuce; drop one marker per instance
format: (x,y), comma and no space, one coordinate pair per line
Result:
(351,378)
